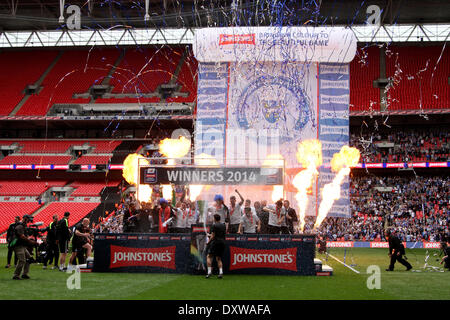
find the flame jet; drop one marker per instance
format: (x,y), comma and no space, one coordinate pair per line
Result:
(341,163)
(309,155)
(130,174)
(173,149)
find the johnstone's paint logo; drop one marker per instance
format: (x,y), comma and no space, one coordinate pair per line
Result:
(379,245)
(163,257)
(242,258)
(225,39)
(431,245)
(274,103)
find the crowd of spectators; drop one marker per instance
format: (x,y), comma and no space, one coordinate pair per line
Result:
(408,145)
(417,208)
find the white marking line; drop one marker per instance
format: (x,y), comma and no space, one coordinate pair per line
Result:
(343,263)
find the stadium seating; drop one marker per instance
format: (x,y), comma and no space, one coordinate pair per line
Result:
(364,69)
(19,69)
(27,188)
(78,210)
(187,79)
(49,146)
(142,71)
(424,73)
(104,146)
(88,159)
(89,188)
(8,210)
(17,159)
(75,72)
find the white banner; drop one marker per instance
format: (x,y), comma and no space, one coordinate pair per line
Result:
(300,44)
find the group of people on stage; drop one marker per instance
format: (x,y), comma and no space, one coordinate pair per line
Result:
(56,238)
(239,216)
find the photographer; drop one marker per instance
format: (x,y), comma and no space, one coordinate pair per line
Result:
(9,238)
(20,244)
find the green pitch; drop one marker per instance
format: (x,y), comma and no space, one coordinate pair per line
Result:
(344,284)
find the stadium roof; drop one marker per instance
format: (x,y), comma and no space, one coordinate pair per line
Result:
(133,37)
(96,14)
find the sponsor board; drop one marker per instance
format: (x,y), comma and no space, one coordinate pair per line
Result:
(340,244)
(376,244)
(141,253)
(244,258)
(431,245)
(163,257)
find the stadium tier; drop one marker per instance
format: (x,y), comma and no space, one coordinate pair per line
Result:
(78,210)
(187,79)
(41,159)
(57,151)
(364,69)
(104,146)
(75,72)
(93,160)
(8,210)
(27,188)
(89,188)
(421,77)
(141,71)
(49,146)
(20,69)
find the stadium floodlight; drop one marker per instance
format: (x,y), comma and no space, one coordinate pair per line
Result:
(61,11)
(147,16)
(155,36)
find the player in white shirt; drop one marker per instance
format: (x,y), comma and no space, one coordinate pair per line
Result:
(249,222)
(235,213)
(192,216)
(277,215)
(180,222)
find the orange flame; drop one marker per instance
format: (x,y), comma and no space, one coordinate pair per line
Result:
(309,154)
(173,149)
(341,163)
(347,157)
(130,174)
(275,160)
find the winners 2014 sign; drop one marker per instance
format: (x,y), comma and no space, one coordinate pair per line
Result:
(211,176)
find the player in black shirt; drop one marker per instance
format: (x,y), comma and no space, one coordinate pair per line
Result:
(80,241)
(63,236)
(396,251)
(52,243)
(216,245)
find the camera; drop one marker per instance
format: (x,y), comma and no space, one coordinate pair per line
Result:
(33,231)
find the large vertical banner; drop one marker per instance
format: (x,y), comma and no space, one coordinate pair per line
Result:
(263,90)
(334,99)
(211,118)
